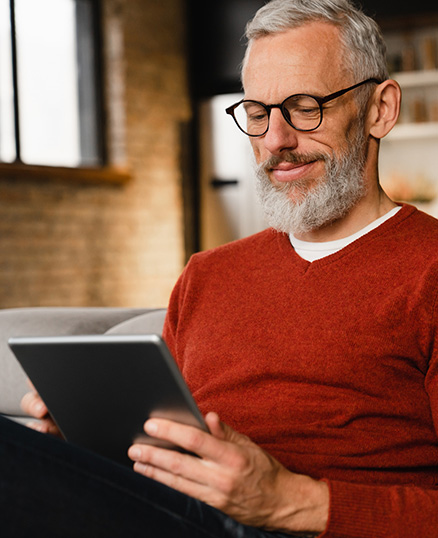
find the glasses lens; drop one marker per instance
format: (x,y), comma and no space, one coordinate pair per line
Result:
(252,118)
(303,112)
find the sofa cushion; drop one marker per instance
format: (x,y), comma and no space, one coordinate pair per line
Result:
(149,323)
(46,321)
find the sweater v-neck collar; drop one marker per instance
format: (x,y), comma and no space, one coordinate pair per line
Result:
(286,248)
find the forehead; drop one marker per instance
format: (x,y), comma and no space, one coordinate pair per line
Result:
(305,59)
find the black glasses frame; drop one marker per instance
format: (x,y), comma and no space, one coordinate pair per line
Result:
(320,100)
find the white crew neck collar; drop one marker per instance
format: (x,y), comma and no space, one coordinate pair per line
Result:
(311,251)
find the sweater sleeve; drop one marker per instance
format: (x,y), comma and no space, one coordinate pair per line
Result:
(365,511)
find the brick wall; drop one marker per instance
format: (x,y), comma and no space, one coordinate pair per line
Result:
(97,244)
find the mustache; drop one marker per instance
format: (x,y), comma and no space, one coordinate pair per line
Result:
(293,158)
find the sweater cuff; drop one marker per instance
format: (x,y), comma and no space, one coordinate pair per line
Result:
(355,512)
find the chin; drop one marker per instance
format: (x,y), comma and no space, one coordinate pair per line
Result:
(297,191)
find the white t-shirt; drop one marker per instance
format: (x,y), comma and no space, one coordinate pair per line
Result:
(311,251)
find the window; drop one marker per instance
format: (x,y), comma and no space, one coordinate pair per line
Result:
(50,112)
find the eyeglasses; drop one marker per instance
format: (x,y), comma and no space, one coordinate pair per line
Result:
(301,111)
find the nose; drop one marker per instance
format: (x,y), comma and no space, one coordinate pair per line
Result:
(280,136)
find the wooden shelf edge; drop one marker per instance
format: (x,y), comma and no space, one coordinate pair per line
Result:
(106,174)
(408,131)
(415,79)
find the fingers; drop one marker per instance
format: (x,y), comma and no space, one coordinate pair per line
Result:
(168,465)
(33,405)
(220,457)
(213,447)
(45,426)
(191,485)
(171,466)
(206,480)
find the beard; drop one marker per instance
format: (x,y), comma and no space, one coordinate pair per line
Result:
(296,208)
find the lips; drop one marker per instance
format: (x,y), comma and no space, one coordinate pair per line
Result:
(285,171)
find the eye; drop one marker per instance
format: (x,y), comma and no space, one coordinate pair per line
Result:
(310,111)
(255,112)
(302,105)
(303,111)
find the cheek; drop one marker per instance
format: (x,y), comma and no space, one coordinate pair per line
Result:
(257,145)
(331,142)
(343,130)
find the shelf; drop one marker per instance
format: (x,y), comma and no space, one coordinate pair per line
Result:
(413,131)
(413,79)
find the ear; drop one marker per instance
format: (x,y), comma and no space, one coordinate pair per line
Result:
(384,109)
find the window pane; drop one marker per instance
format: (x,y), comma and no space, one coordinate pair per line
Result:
(47,82)
(7,133)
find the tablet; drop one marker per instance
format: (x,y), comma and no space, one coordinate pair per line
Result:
(101,389)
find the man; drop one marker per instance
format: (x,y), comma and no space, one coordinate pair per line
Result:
(315,341)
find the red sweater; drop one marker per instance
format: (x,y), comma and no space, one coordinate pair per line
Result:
(330,366)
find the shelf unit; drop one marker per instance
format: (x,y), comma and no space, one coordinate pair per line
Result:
(409,155)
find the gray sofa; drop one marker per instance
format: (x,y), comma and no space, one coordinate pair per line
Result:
(53,321)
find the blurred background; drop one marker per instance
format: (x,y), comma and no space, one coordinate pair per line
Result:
(117,160)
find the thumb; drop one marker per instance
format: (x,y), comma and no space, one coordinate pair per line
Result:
(222,431)
(216,427)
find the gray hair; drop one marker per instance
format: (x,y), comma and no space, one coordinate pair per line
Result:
(365,49)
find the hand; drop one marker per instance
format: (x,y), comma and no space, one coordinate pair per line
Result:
(33,405)
(234,475)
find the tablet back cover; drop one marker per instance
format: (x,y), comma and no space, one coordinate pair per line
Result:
(101,389)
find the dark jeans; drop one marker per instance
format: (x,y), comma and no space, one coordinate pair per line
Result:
(53,489)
